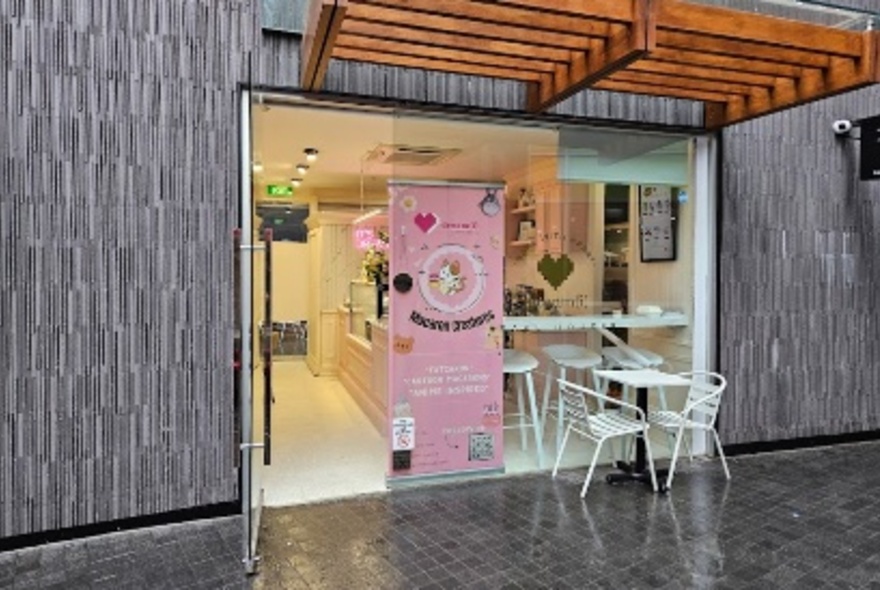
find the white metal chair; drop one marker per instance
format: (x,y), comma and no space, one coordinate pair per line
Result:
(562,358)
(699,413)
(601,426)
(520,365)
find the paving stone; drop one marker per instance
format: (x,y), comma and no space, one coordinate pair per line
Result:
(804,519)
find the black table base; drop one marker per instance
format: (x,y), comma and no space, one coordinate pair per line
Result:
(638,471)
(629,473)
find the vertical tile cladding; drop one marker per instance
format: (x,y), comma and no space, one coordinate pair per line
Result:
(118,195)
(800,320)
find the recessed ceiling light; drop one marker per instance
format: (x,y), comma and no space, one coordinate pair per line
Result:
(257,167)
(302,169)
(311,154)
(296,182)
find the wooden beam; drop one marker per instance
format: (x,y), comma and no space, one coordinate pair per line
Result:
(427,24)
(409,61)
(708,74)
(844,73)
(742,49)
(324,21)
(726,23)
(414,49)
(453,41)
(610,10)
(714,114)
(725,63)
(841,75)
(627,44)
(667,91)
(493,12)
(650,80)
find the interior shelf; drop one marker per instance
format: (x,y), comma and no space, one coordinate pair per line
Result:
(616,226)
(523,210)
(522,243)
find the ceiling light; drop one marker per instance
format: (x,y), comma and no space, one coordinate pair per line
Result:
(257,167)
(296,182)
(366,216)
(302,169)
(311,154)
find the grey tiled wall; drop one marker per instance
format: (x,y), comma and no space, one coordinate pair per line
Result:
(118,196)
(800,303)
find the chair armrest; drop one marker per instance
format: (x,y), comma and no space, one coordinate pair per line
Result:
(601,396)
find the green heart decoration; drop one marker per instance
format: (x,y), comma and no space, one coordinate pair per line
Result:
(555,270)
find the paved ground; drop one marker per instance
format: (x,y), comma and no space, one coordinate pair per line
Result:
(806,519)
(203,554)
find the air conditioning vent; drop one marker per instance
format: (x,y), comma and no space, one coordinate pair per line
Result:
(408,155)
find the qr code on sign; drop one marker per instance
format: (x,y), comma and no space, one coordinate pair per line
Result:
(482,446)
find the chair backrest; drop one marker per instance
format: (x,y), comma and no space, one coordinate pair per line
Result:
(705,393)
(575,401)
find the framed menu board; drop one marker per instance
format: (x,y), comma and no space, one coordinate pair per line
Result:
(658,210)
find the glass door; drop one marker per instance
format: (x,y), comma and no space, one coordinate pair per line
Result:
(253,261)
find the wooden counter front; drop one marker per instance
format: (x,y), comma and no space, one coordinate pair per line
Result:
(363,371)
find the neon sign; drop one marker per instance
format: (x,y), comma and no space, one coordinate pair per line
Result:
(368,237)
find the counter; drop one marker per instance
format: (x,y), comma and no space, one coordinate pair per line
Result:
(585,322)
(363,369)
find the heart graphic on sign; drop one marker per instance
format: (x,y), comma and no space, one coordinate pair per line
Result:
(426,221)
(555,270)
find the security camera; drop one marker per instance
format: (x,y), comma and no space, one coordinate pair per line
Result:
(842,127)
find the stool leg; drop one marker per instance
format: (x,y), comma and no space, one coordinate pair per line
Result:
(536,425)
(519,408)
(548,383)
(560,411)
(624,396)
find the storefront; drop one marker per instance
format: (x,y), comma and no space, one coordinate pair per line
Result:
(486,234)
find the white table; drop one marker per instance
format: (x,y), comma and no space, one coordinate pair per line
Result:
(641,380)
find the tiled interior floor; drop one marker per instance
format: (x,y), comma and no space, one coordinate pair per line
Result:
(324,447)
(800,520)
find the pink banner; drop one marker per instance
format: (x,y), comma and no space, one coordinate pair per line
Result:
(445,374)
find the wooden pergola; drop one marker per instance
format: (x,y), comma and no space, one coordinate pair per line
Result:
(740,64)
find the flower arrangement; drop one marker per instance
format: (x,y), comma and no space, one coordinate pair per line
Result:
(375,263)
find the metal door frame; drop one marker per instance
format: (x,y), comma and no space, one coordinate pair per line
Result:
(246,245)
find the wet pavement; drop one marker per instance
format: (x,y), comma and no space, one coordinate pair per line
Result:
(199,555)
(805,519)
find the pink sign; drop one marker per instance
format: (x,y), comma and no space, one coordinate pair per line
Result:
(445,375)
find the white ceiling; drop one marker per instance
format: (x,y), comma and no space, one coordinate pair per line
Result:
(489,152)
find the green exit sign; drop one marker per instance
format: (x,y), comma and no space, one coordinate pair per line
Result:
(279,190)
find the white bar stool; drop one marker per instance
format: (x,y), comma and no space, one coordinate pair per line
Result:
(563,357)
(521,364)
